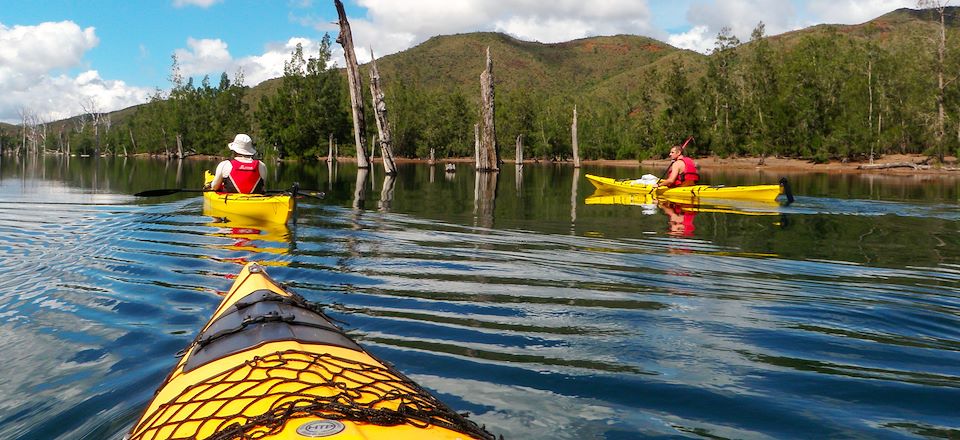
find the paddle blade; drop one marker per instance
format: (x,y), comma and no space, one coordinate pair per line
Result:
(786,190)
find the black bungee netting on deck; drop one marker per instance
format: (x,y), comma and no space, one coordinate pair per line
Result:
(299,384)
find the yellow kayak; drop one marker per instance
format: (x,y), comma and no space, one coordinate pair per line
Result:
(273,208)
(269,365)
(685,193)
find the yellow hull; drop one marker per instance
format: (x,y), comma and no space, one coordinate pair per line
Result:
(687,193)
(269,366)
(276,208)
(742,207)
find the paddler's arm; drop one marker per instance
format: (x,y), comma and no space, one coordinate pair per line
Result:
(217,182)
(675,170)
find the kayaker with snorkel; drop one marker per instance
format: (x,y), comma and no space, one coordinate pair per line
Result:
(682,171)
(243,173)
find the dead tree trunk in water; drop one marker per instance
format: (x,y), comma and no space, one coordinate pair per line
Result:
(356,88)
(519,155)
(573,135)
(380,114)
(489,154)
(179,146)
(330,149)
(133,143)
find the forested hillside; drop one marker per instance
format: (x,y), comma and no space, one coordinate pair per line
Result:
(826,92)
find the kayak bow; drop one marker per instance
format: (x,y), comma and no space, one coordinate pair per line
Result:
(269,365)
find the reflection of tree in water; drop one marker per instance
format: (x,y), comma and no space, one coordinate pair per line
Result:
(360,191)
(573,199)
(386,193)
(484,198)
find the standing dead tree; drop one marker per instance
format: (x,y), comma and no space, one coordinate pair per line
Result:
(575,141)
(939,6)
(356,88)
(91,108)
(380,114)
(489,152)
(519,151)
(330,155)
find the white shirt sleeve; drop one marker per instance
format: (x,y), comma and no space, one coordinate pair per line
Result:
(223,171)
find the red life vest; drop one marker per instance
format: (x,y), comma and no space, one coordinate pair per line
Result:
(689,173)
(244,177)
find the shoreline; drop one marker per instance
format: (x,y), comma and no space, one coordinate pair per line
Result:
(949,167)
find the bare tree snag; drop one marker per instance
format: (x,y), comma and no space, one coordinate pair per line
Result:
(133,143)
(489,152)
(573,135)
(330,149)
(179,146)
(380,114)
(940,7)
(356,87)
(519,152)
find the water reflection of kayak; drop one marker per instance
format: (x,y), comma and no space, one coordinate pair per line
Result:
(269,365)
(275,208)
(745,192)
(650,204)
(249,235)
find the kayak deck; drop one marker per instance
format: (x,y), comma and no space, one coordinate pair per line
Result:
(747,192)
(270,365)
(273,208)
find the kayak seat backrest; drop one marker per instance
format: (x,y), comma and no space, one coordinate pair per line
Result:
(264,316)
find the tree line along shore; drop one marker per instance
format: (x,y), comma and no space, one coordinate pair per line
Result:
(828,94)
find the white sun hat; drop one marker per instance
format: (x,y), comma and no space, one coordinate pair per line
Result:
(242,144)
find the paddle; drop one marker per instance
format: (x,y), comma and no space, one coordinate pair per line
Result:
(168,191)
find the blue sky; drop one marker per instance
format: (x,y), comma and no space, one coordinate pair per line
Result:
(59,57)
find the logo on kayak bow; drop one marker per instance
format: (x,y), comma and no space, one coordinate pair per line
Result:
(320,428)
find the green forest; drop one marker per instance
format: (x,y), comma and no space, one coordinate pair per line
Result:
(830,92)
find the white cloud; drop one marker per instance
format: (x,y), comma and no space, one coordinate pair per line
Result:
(34,61)
(854,11)
(204,56)
(212,57)
(392,26)
(779,16)
(259,68)
(197,3)
(28,51)
(697,39)
(741,16)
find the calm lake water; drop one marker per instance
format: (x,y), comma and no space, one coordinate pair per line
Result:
(544,313)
